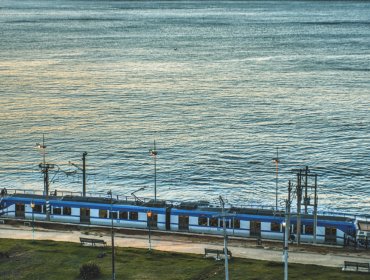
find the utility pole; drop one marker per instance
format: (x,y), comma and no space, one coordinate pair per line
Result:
(305,175)
(277,177)
(153,152)
(286,235)
(306,198)
(315,212)
(112,234)
(83,169)
(45,170)
(225,239)
(299,201)
(84,174)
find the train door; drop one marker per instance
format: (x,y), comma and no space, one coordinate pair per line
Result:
(255,229)
(184,223)
(153,220)
(85,215)
(168,218)
(330,235)
(19,210)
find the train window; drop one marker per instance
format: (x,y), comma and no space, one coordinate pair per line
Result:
(213,222)
(236,223)
(19,207)
(330,231)
(134,216)
(37,209)
(203,221)
(57,211)
(103,213)
(308,230)
(275,227)
(67,211)
(227,223)
(114,214)
(123,215)
(295,229)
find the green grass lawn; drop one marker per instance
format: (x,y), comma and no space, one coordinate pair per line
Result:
(49,260)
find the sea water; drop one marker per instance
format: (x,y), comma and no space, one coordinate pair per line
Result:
(221,86)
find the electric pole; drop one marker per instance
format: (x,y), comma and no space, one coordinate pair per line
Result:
(302,192)
(225,238)
(84,174)
(83,169)
(153,152)
(45,170)
(277,177)
(112,235)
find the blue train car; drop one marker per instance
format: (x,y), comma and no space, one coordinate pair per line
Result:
(194,217)
(260,223)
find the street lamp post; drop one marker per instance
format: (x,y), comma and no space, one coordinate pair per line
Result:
(33,220)
(112,234)
(149,216)
(153,152)
(277,178)
(225,239)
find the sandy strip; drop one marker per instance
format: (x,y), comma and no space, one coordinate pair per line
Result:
(169,244)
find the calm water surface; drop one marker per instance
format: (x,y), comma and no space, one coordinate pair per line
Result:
(220,85)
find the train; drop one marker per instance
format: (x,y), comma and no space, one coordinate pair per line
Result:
(198,217)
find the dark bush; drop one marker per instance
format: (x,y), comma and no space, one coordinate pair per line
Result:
(89,271)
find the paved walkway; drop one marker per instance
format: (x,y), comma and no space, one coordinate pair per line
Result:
(164,243)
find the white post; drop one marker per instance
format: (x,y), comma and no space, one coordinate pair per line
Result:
(112,235)
(286,234)
(225,240)
(33,220)
(149,220)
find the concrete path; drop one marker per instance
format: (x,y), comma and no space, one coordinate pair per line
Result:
(164,243)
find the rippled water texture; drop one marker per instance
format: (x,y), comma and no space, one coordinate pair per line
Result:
(220,85)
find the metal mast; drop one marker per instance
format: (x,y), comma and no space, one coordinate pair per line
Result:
(225,239)
(45,170)
(84,174)
(277,177)
(153,152)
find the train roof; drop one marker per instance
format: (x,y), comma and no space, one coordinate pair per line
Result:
(104,200)
(107,200)
(256,211)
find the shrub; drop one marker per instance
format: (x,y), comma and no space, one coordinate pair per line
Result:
(89,271)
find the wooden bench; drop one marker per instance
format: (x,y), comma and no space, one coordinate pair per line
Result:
(92,241)
(357,266)
(216,252)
